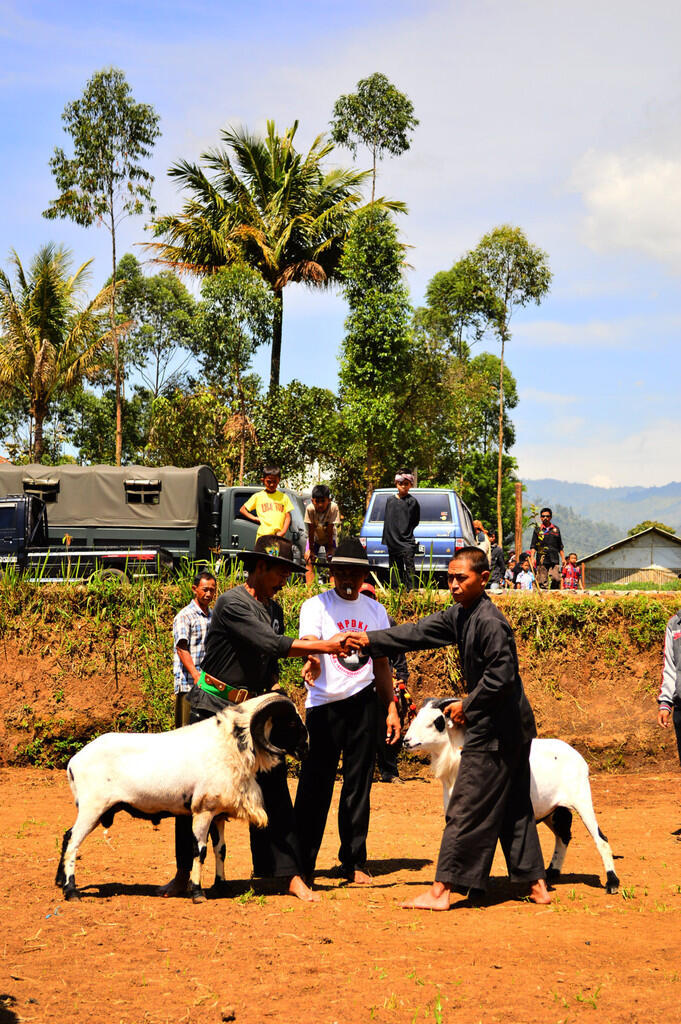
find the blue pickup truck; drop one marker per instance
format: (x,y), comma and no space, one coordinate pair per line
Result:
(446,525)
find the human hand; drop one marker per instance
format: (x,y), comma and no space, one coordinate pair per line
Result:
(312,669)
(454,711)
(392,722)
(341,643)
(663,716)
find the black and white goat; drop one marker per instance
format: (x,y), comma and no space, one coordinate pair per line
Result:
(206,770)
(559,782)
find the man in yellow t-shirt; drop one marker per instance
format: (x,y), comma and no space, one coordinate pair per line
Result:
(272,507)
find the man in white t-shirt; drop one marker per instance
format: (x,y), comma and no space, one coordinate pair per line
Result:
(341,717)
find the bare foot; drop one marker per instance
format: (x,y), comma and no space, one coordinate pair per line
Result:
(361,877)
(177,886)
(301,891)
(539,893)
(435,898)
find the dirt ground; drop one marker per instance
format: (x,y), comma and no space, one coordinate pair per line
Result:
(125,956)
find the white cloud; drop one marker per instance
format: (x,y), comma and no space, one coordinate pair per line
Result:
(599,334)
(551,398)
(640,457)
(632,202)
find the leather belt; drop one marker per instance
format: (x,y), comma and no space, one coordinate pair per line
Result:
(235,694)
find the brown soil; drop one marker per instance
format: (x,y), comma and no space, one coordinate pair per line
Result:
(123,955)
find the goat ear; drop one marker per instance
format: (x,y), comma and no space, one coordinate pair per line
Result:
(278,709)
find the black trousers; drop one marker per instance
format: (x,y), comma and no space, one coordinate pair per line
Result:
(402,564)
(676,718)
(386,753)
(348,728)
(275,848)
(490,802)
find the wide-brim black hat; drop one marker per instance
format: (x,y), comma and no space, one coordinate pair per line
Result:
(351,552)
(276,550)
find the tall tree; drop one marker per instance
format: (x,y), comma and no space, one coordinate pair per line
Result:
(50,340)
(233,319)
(516,273)
(377,116)
(160,310)
(261,202)
(459,307)
(105,180)
(375,357)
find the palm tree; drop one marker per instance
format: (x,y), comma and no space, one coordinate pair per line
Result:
(48,341)
(268,206)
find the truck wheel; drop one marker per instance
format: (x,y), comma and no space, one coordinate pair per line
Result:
(109,574)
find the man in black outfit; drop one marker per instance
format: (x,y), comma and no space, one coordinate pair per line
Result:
(244,641)
(491,797)
(546,552)
(402,516)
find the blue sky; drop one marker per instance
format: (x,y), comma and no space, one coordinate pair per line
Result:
(560,119)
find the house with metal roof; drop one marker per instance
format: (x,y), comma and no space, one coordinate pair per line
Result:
(652,556)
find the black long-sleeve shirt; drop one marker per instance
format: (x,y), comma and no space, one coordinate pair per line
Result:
(402,516)
(244,640)
(498,713)
(497,565)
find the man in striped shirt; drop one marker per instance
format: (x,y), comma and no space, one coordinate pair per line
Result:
(190,626)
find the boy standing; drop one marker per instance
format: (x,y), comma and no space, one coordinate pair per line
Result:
(322,519)
(526,580)
(573,574)
(402,516)
(272,507)
(491,797)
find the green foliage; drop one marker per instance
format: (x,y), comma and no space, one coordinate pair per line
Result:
(50,339)
(160,311)
(375,357)
(460,307)
(261,202)
(91,423)
(646,525)
(190,428)
(377,116)
(111,135)
(296,426)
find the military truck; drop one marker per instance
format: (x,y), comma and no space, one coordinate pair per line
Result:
(124,510)
(25,547)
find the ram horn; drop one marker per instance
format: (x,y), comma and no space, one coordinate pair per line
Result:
(439,702)
(276,725)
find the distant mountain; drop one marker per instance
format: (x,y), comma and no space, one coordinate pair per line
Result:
(590,518)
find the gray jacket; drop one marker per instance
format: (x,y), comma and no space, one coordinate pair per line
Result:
(670,690)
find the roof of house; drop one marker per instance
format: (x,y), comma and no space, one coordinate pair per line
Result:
(627,540)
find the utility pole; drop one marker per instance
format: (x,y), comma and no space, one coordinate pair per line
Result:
(518,518)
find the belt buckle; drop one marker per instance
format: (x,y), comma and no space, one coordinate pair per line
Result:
(239,696)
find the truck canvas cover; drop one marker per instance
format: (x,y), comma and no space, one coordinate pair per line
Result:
(98,495)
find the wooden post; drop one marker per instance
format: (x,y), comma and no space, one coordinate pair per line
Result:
(518,518)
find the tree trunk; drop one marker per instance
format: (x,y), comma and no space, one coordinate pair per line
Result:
(275,367)
(38,446)
(373,177)
(370,476)
(117,356)
(500,536)
(242,407)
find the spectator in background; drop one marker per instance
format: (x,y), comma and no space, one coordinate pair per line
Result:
(497,565)
(510,574)
(546,552)
(669,699)
(322,519)
(526,580)
(402,516)
(190,626)
(482,538)
(271,506)
(573,574)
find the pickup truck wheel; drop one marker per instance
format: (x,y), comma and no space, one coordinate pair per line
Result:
(109,574)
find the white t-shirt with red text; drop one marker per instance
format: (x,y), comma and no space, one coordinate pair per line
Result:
(325,615)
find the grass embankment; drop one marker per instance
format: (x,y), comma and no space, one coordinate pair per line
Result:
(77,660)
